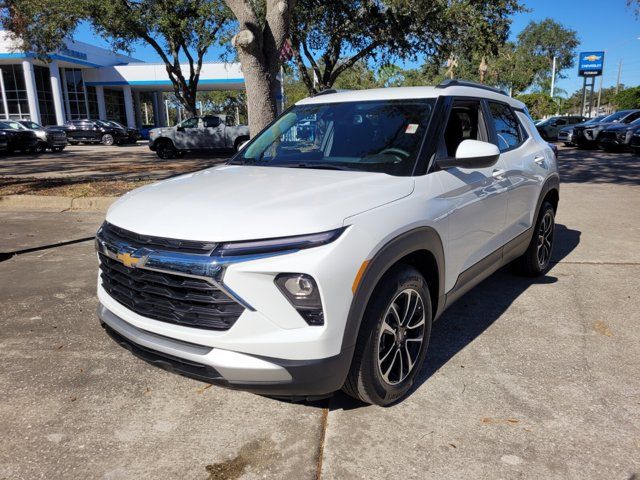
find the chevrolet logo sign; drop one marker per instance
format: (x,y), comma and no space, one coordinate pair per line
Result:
(592,58)
(128,260)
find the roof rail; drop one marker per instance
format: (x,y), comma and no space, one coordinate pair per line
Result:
(464,83)
(331,90)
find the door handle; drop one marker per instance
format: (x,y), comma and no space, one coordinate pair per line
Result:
(539,159)
(498,174)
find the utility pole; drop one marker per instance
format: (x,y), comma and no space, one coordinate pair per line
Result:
(553,76)
(619,72)
(600,90)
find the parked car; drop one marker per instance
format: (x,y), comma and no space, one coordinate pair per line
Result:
(550,127)
(144,131)
(133,134)
(566,134)
(635,141)
(587,136)
(197,133)
(308,265)
(4,142)
(617,136)
(93,131)
(49,138)
(19,138)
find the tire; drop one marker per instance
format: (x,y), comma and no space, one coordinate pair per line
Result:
(165,150)
(378,373)
(57,149)
(107,139)
(537,259)
(73,142)
(39,147)
(239,141)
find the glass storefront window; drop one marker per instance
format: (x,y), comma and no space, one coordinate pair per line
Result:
(114,103)
(45,95)
(15,91)
(75,93)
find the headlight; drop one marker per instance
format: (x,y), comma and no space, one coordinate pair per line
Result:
(298,242)
(302,292)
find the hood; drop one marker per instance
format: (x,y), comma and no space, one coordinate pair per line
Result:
(616,127)
(234,202)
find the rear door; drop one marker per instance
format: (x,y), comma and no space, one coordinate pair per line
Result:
(526,165)
(476,199)
(213,133)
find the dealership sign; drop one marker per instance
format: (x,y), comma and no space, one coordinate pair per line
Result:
(590,64)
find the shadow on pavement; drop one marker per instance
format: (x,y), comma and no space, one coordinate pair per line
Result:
(596,166)
(470,316)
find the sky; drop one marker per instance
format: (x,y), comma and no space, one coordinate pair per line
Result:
(607,25)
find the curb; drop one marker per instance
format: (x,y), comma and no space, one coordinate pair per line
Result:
(55,203)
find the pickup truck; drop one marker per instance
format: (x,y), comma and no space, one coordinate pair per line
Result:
(197,133)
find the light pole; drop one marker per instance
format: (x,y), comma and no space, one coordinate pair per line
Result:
(553,76)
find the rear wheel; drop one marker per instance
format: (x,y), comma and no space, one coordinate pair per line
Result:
(73,142)
(393,338)
(165,150)
(39,147)
(536,260)
(107,139)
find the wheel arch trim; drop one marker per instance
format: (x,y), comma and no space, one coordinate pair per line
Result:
(419,239)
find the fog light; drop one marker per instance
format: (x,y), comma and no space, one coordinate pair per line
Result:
(302,292)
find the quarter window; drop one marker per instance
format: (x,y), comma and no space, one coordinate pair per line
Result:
(507,127)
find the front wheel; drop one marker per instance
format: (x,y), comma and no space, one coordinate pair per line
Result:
(57,149)
(39,147)
(166,150)
(393,338)
(536,260)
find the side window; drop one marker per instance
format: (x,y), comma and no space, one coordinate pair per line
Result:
(560,122)
(211,122)
(190,123)
(464,123)
(632,117)
(508,132)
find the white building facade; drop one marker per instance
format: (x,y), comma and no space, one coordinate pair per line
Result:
(84,81)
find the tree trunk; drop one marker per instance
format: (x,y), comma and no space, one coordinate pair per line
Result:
(258,43)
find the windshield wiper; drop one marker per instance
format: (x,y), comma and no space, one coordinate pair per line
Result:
(319,166)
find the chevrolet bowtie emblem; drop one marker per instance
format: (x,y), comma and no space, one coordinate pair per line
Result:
(130,261)
(592,58)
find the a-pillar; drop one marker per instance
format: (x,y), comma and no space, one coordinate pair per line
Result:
(102,106)
(32,94)
(56,90)
(128,106)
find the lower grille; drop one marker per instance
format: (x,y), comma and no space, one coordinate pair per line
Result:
(169,298)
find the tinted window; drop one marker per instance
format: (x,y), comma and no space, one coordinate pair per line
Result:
(506,125)
(631,117)
(211,122)
(190,123)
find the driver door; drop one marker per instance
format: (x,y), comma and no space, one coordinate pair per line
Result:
(475,199)
(213,134)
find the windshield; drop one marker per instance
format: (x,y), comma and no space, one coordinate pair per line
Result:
(13,125)
(111,123)
(615,117)
(32,125)
(376,136)
(595,120)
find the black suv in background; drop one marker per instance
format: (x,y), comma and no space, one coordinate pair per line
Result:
(567,134)
(635,141)
(133,133)
(550,127)
(19,138)
(52,138)
(587,136)
(618,136)
(93,131)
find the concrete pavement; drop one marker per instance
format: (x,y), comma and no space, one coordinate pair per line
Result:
(524,378)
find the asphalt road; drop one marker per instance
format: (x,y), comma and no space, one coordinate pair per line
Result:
(524,378)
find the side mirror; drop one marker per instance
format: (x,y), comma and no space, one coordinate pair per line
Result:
(179,128)
(472,154)
(242,145)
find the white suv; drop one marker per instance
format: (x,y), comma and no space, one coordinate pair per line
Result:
(319,256)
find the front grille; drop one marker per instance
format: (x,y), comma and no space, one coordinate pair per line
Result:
(112,233)
(169,298)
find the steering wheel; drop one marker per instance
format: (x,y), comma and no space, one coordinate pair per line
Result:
(397,152)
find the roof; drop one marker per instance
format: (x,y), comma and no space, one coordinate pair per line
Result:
(407,93)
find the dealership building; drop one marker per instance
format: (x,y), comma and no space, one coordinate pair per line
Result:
(84,81)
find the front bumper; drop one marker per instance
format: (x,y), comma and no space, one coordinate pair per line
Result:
(314,378)
(565,137)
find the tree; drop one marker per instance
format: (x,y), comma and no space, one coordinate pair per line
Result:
(332,37)
(547,39)
(263,28)
(539,104)
(173,28)
(628,98)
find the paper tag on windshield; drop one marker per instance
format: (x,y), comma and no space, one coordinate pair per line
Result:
(411,128)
